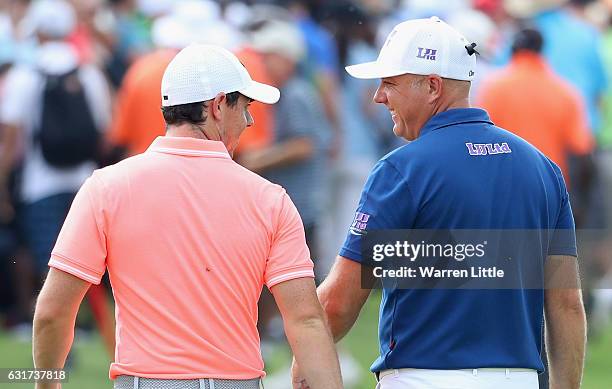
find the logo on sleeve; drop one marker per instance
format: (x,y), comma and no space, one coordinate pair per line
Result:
(360,223)
(426,53)
(488,148)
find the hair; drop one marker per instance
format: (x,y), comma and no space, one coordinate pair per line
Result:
(193,113)
(528,39)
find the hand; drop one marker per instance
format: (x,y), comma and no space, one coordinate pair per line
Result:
(251,160)
(297,381)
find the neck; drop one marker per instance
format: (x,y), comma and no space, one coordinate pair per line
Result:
(190,130)
(451,102)
(461,102)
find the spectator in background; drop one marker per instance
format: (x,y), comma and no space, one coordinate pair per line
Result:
(248,19)
(321,65)
(479,28)
(529,99)
(602,295)
(15,44)
(132,34)
(93,36)
(572,46)
(296,159)
(364,125)
(138,120)
(47,189)
(19,280)
(260,134)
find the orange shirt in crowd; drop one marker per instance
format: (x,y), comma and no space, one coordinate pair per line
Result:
(138,119)
(528,99)
(260,134)
(189,238)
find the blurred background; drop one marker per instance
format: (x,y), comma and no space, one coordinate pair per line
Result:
(543,72)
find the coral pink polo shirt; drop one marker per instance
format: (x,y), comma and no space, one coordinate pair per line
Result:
(189,239)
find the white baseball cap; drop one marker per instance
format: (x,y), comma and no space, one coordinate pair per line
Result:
(424,47)
(199,72)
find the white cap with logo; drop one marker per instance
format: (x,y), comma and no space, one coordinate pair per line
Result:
(424,47)
(199,72)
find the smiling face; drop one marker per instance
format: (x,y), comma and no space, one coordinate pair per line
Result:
(408,100)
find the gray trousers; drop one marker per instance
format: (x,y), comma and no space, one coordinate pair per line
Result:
(131,382)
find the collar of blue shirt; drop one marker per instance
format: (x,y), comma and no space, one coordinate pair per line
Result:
(455,116)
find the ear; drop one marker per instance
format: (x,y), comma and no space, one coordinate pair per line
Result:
(216,106)
(435,86)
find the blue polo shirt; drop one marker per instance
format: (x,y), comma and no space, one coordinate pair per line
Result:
(445,180)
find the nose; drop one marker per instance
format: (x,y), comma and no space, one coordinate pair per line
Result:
(249,118)
(380,97)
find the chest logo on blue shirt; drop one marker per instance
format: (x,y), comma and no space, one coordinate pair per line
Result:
(358,227)
(488,148)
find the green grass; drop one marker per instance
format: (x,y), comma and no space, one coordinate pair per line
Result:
(91,360)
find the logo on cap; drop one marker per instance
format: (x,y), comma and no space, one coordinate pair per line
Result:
(426,53)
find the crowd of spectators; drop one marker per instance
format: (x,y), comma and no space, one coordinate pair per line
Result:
(542,73)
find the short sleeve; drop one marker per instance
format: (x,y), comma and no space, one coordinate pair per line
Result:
(81,245)
(289,256)
(386,203)
(563,241)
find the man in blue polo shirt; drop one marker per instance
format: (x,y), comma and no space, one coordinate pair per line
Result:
(448,178)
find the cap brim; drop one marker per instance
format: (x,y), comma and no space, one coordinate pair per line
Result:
(374,69)
(261,92)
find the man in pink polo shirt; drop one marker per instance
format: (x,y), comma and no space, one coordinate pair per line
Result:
(189,239)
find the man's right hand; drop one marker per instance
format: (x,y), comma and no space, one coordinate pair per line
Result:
(297,380)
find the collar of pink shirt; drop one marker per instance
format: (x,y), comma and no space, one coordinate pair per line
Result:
(187,146)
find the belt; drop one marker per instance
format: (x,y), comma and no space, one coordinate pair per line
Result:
(383,373)
(131,382)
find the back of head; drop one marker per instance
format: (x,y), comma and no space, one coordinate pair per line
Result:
(527,39)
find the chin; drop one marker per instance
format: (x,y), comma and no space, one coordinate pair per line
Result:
(403,132)
(400,132)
